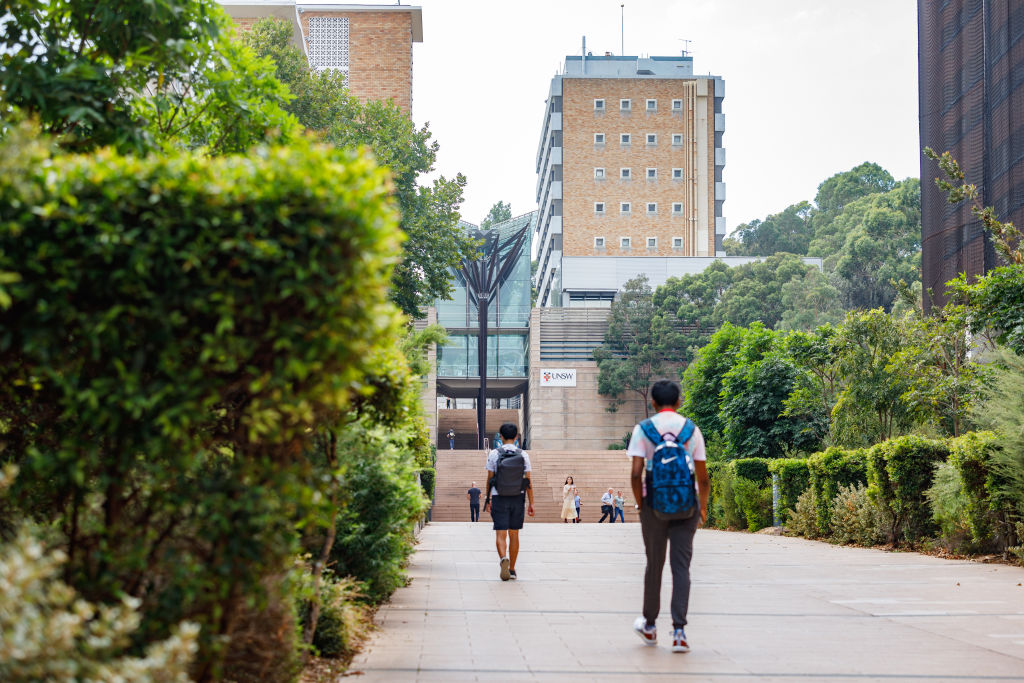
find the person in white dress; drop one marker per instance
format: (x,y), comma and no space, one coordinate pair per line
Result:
(568,500)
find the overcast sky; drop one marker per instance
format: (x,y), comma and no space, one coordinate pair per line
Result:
(812,87)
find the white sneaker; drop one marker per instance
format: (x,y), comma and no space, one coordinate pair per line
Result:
(647,634)
(679,643)
(505,574)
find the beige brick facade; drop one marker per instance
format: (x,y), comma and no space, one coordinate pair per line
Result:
(380,54)
(684,207)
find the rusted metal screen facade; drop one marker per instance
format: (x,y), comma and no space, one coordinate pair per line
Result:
(971,77)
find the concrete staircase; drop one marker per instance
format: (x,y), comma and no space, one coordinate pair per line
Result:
(593,471)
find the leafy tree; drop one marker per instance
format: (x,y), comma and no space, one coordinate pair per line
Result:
(634,352)
(809,302)
(755,293)
(870,407)
(136,75)
(838,191)
(815,394)
(753,396)
(703,378)
(500,212)
(789,231)
(691,301)
(429,213)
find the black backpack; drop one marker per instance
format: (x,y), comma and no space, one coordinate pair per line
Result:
(509,473)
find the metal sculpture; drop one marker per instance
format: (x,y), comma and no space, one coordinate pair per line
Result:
(484,277)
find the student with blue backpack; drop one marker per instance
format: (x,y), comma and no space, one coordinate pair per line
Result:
(671,485)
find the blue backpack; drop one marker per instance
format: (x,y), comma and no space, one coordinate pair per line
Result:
(671,490)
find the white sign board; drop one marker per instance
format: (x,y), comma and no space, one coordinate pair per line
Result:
(559,377)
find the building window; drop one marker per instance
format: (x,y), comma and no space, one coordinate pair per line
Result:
(677,105)
(599,105)
(625,242)
(328,43)
(652,208)
(599,173)
(624,139)
(652,105)
(652,174)
(677,242)
(677,207)
(624,207)
(652,138)
(652,242)
(625,173)
(677,174)
(598,138)
(677,138)
(625,105)
(598,243)
(599,207)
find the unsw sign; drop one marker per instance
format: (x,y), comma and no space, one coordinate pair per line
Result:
(561,377)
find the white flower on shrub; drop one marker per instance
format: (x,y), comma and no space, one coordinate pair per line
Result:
(48,633)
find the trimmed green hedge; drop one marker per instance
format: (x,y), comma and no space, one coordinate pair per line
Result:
(900,470)
(428,477)
(989,514)
(794,477)
(752,469)
(829,470)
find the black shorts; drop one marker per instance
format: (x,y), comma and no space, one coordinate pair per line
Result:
(508,512)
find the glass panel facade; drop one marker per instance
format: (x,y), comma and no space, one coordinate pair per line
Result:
(507,353)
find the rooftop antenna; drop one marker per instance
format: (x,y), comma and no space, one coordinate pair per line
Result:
(622,29)
(686,45)
(584,55)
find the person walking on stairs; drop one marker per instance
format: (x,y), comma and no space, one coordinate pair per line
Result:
(508,486)
(473,494)
(619,501)
(568,500)
(607,507)
(451,439)
(670,482)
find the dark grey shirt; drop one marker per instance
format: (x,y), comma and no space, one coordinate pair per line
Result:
(474,496)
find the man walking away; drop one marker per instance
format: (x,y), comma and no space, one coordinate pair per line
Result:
(451,439)
(508,485)
(607,509)
(670,482)
(473,495)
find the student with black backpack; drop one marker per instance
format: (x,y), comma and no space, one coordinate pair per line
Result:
(671,485)
(508,486)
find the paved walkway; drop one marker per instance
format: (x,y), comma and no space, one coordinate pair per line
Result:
(762,608)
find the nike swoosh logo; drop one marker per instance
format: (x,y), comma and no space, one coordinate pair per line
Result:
(665,462)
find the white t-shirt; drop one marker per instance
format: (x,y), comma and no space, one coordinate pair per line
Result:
(666,422)
(606,499)
(492,461)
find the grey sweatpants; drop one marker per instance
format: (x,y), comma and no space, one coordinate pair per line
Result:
(657,536)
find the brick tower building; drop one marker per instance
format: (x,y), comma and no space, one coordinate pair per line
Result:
(370,44)
(629,169)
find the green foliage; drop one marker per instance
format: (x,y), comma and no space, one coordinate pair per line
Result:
(500,212)
(789,231)
(755,292)
(138,75)
(725,508)
(793,478)
(982,508)
(380,502)
(635,351)
(754,502)
(829,470)
(702,379)
(843,188)
(428,479)
(756,470)
(948,500)
(429,213)
(900,471)
(175,327)
(856,518)
(802,518)
(344,618)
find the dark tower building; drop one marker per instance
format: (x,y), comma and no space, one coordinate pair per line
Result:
(971,80)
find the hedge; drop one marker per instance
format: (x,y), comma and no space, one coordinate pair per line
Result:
(793,479)
(900,470)
(752,469)
(428,477)
(989,515)
(172,328)
(828,471)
